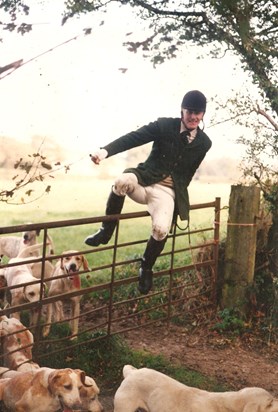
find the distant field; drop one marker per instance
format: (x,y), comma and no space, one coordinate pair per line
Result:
(73,197)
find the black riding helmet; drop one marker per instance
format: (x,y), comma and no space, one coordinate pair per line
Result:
(194,100)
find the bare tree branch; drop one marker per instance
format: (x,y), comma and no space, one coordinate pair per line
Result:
(269,118)
(14,65)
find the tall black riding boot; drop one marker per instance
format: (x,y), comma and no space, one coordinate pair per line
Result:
(152,251)
(114,206)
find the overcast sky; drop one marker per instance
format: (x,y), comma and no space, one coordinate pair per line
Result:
(77,94)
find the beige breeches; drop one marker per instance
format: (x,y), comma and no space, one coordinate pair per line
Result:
(159,199)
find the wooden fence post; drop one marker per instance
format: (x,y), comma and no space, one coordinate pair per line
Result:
(240,250)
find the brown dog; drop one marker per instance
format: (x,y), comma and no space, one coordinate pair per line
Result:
(89,391)
(46,390)
(16,343)
(151,391)
(69,265)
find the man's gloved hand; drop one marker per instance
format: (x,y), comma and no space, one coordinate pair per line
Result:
(98,156)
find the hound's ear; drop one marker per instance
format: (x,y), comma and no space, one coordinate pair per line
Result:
(85,263)
(89,382)
(81,374)
(38,231)
(51,244)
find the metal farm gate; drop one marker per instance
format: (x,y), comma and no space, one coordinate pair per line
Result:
(184,285)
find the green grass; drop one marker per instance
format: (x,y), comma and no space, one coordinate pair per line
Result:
(83,196)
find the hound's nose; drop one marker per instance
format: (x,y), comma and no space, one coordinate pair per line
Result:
(73,267)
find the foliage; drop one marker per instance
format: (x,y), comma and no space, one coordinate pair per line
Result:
(260,139)
(246,28)
(33,169)
(264,290)
(229,321)
(13,8)
(259,165)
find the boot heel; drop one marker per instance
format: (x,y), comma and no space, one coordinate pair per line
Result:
(99,238)
(145,280)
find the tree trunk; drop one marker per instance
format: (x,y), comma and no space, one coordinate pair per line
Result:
(240,251)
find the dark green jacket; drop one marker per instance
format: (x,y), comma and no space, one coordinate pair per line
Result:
(171,154)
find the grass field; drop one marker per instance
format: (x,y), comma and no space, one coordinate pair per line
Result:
(82,196)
